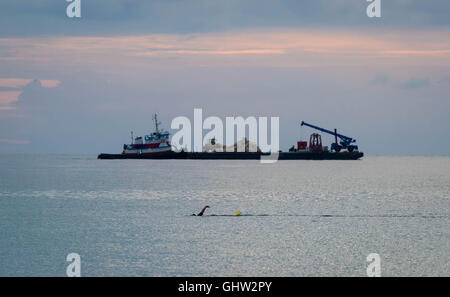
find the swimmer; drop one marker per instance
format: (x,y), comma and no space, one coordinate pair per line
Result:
(201,212)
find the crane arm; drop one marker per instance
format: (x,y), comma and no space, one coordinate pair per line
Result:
(343,137)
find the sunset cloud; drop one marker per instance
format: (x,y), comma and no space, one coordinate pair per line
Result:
(13,141)
(15,88)
(219,52)
(7,97)
(417,52)
(14,82)
(283,47)
(18,83)
(7,107)
(49,83)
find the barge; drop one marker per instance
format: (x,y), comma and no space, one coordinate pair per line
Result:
(239,156)
(157,146)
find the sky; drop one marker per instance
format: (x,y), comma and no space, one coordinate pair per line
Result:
(79,86)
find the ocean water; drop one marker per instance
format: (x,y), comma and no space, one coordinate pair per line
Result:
(301,218)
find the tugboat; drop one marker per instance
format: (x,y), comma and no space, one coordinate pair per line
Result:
(152,146)
(154,143)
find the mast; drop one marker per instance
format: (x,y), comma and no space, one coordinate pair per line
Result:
(155,119)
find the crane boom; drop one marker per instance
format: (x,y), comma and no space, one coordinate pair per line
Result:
(345,140)
(328,131)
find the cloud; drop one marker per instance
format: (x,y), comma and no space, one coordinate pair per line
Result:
(7,107)
(416,52)
(46,83)
(411,83)
(13,141)
(14,82)
(7,97)
(415,83)
(218,52)
(283,47)
(20,83)
(12,88)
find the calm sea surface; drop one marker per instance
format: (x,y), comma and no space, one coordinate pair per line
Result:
(301,218)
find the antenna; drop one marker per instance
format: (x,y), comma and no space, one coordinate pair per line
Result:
(155,119)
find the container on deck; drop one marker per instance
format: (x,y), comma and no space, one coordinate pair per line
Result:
(302,145)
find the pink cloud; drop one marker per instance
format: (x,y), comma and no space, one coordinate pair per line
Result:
(218,52)
(22,82)
(417,52)
(50,83)
(6,107)
(14,82)
(13,141)
(272,47)
(7,97)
